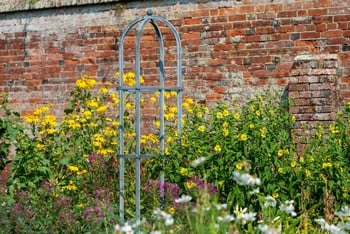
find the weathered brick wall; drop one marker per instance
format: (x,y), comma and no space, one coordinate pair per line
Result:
(231,49)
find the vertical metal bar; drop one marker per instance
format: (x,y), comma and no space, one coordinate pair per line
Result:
(162,103)
(138,118)
(121,133)
(121,119)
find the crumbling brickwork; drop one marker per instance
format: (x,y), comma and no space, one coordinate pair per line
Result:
(231,49)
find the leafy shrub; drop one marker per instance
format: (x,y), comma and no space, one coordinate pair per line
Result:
(9,128)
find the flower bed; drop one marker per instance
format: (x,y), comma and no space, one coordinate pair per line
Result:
(234,168)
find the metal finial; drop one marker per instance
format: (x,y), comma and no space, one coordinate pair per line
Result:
(149,12)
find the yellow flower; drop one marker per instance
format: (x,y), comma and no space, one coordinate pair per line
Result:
(183,171)
(239,165)
(251,126)
(199,115)
(280,170)
(219,115)
(171,210)
(189,101)
(102,109)
(93,125)
(293,163)
(87,114)
(243,137)
(41,110)
(185,105)
(40,147)
(236,116)
(157,123)
(49,120)
(82,172)
(293,118)
(108,131)
(170,139)
(333,129)
(80,205)
(190,184)
(51,131)
(31,119)
(275,195)
(167,95)
(70,186)
(73,124)
(92,103)
(169,116)
(201,128)
(103,90)
(225,132)
(263,132)
(301,159)
(280,153)
(225,113)
(258,113)
(307,173)
(85,83)
(73,168)
(252,108)
(173,109)
(99,137)
(115,123)
(217,148)
(326,165)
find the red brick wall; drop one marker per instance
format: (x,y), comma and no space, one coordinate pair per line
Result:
(231,49)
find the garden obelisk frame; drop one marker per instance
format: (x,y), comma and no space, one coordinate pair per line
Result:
(137,90)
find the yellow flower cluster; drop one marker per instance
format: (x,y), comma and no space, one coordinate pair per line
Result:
(334,129)
(71,186)
(326,165)
(47,122)
(170,113)
(188,105)
(130,78)
(76,169)
(149,139)
(263,132)
(86,82)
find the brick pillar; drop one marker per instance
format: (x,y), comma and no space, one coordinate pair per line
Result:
(313,87)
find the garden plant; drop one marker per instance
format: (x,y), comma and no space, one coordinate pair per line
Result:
(233,168)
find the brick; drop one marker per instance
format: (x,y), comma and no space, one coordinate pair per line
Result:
(309,35)
(287,14)
(315,12)
(332,34)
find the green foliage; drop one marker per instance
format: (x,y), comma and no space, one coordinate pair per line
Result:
(236,163)
(10,128)
(254,138)
(327,159)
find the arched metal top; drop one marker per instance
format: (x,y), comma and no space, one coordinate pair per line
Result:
(150,18)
